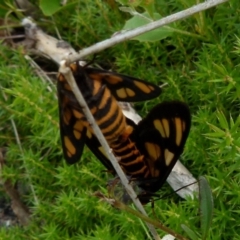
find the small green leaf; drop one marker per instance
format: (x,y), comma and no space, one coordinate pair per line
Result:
(217,129)
(222,120)
(152,36)
(231,122)
(215,135)
(206,206)
(129,10)
(234,126)
(49,7)
(189,232)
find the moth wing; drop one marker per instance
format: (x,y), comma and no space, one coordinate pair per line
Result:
(161,136)
(125,88)
(72,130)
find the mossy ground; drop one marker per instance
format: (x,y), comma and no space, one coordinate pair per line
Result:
(201,69)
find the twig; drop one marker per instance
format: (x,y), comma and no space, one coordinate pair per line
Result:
(27,172)
(21,150)
(49,46)
(18,207)
(98,47)
(117,204)
(41,74)
(69,77)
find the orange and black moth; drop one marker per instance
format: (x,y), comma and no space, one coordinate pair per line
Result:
(146,151)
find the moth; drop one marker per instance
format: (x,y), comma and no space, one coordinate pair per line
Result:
(147,151)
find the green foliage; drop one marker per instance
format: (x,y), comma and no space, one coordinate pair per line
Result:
(206,206)
(200,64)
(152,36)
(49,7)
(189,232)
(206,211)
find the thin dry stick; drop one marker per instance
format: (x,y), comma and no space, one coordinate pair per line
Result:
(18,207)
(21,149)
(140,30)
(121,206)
(27,172)
(41,74)
(69,77)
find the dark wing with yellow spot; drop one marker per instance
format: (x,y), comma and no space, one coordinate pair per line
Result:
(72,131)
(161,136)
(124,88)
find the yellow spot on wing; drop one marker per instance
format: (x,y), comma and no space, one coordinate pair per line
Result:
(158,125)
(69,146)
(154,153)
(130,92)
(77,114)
(77,134)
(89,134)
(153,150)
(121,93)
(151,87)
(168,157)
(102,151)
(142,86)
(166,127)
(178,124)
(112,79)
(67,116)
(78,127)
(95,77)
